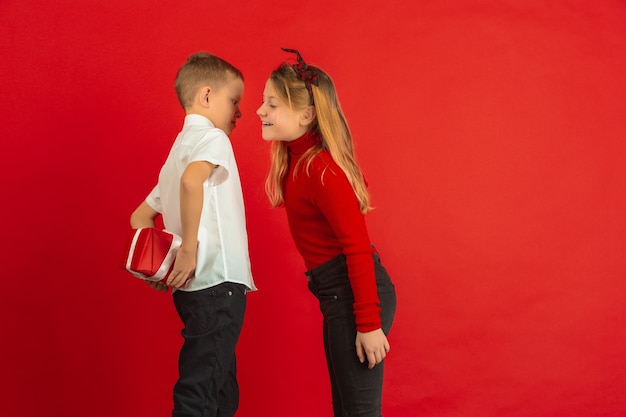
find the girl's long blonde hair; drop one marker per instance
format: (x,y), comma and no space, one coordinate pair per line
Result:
(329,122)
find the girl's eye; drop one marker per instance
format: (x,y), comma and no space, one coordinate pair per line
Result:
(268,104)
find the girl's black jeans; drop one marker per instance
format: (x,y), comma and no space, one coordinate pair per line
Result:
(356,389)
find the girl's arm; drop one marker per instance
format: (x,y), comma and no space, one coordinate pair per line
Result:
(337,201)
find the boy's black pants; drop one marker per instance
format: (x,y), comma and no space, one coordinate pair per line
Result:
(212,318)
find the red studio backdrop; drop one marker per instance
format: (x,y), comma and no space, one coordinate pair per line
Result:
(492,136)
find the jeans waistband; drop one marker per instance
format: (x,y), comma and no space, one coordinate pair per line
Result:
(335,263)
(325,268)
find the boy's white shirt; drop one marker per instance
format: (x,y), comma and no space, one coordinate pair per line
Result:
(222,236)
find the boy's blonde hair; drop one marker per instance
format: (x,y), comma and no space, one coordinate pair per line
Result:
(329,122)
(202,69)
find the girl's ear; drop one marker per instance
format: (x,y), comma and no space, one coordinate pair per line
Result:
(308,116)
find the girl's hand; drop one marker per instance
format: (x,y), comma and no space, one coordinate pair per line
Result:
(373,345)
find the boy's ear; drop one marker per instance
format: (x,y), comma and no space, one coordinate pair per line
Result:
(203,95)
(308,116)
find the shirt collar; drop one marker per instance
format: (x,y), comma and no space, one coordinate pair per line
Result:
(197,120)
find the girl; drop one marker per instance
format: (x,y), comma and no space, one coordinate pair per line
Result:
(314,175)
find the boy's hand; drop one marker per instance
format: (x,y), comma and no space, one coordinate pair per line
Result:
(184,268)
(373,345)
(157,285)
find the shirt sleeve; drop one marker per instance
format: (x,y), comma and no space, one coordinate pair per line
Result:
(214,147)
(336,200)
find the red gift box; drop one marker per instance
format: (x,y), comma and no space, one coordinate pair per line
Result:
(150,253)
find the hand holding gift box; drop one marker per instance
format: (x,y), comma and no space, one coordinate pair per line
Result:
(150,253)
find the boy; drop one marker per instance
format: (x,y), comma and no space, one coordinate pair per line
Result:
(199,197)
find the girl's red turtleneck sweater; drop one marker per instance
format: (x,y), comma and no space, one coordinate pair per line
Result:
(325,221)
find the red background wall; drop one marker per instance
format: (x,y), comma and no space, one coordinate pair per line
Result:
(492,136)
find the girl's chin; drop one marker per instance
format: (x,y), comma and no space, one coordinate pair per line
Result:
(269,139)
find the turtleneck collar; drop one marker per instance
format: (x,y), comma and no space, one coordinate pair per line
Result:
(299,146)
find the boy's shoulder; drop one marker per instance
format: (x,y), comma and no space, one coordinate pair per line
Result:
(205,134)
(200,124)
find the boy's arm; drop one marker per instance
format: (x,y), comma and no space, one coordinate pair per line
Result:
(191,200)
(143,216)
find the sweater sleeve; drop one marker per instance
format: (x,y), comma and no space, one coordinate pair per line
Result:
(335,198)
